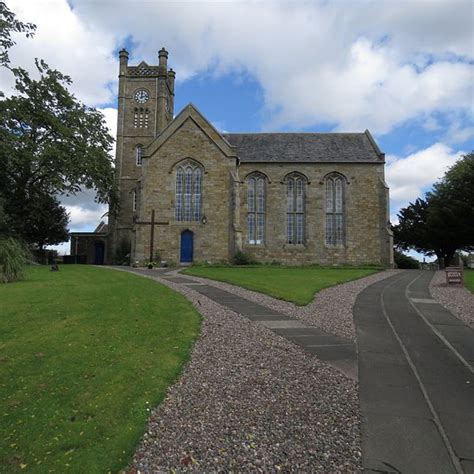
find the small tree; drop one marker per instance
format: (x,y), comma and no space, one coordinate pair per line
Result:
(40,220)
(443,222)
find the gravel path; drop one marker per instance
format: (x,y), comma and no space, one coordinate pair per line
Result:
(458,300)
(331,310)
(249,400)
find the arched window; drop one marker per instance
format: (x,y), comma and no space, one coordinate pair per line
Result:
(295,209)
(139,155)
(256,209)
(188,192)
(335,210)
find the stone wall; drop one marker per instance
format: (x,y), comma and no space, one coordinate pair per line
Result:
(212,240)
(367,240)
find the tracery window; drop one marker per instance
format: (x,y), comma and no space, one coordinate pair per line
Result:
(188,192)
(295,216)
(256,209)
(139,155)
(335,210)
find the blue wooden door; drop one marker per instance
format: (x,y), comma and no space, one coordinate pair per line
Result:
(187,238)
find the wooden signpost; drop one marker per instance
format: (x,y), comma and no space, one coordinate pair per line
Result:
(152,224)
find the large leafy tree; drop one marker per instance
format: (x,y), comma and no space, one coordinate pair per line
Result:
(443,222)
(50,144)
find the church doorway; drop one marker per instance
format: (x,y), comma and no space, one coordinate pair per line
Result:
(187,243)
(99,252)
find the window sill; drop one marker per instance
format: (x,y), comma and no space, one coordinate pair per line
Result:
(294,246)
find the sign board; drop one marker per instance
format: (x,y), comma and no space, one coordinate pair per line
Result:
(454,275)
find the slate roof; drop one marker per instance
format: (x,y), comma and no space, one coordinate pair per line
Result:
(306,147)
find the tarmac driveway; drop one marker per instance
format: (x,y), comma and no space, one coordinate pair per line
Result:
(416,379)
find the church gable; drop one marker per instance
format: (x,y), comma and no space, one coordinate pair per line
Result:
(192,121)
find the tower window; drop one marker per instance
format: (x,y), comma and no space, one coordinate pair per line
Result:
(134,201)
(139,155)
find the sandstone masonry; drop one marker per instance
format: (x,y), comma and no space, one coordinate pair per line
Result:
(219,196)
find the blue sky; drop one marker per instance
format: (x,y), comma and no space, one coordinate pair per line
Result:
(402,69)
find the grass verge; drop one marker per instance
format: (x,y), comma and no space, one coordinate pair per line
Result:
(469,280)
(85,353)
(298,285)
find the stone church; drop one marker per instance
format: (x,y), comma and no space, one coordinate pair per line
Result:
(190,193)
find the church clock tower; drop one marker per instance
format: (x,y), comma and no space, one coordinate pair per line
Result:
(145,108)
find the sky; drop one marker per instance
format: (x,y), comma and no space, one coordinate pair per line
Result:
(402,69)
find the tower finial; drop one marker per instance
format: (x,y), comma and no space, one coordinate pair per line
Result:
(163,61)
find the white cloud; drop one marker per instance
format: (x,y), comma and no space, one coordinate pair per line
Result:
(82,217)
(361,64)
(357,65)
(67,43)
(110,115)
(409,176)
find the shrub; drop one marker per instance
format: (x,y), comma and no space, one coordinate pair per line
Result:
(241,258)
(404,261)
(13,257)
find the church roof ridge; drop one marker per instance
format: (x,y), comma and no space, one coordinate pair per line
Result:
(306,147)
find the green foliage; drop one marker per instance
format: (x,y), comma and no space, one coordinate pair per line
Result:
(295,284)
(10,24)
(443,222)
(39,219)
(13,257)
(241,258)
(405,261)
(85,354)
(51,141)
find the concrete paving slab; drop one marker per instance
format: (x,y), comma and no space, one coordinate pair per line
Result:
(414,445)
(279,324)
(333,353)
(402,400)
(289,332)
(312,340)
(424,300)
(268,317)
(460,427)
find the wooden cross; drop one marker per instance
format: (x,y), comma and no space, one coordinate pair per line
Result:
(152,223)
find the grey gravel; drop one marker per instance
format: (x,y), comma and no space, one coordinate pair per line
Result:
(249,400)
(331,310)
(458,300)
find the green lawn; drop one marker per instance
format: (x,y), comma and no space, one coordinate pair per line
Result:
(295,284)
(84,354)
(469,280)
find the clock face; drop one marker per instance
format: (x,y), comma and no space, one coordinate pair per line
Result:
(141,96)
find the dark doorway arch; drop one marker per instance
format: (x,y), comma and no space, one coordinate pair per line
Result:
(99,250)
(187,246)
